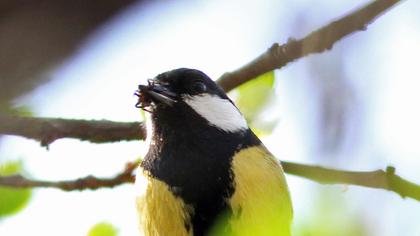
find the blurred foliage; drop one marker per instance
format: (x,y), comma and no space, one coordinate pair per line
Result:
(263,225)
(15,110)
(331,215)
(254,95)
(253,98)
(103,229)
(12,200)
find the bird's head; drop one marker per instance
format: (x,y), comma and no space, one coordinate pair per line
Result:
(187,97)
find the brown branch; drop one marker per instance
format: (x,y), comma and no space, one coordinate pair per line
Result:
(89,182)
(379,179)
(47,130)
(318,41)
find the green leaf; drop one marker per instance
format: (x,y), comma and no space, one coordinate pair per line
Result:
(12,200)
(103,229)
(253,98)
(15,110)
(254,95)
(261,131)
(22,111)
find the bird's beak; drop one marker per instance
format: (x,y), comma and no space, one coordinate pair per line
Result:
(158,93)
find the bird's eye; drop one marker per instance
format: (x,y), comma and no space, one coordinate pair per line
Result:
(199,87)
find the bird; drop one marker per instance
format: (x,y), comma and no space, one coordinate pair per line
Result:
(205,172)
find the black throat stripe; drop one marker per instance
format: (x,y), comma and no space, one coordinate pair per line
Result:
(194,160)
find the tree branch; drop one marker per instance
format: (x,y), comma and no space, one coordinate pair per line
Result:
(89,182)
(47,130)
(318,41)
(379,179)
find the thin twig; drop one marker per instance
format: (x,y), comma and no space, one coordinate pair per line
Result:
(88,182)
(47,130)
(379,179)
(318,41)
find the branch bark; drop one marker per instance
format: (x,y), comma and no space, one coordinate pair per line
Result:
(318,41)
(379,179)
(47,130)
(88,182)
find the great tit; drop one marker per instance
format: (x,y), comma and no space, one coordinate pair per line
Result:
(205,171)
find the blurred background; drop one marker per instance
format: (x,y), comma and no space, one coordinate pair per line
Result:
(355,107)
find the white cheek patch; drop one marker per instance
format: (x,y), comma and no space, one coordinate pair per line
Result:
(219,112)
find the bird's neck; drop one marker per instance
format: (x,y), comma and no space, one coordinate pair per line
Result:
(195,162)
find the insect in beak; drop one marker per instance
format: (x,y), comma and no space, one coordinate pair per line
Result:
(153,93)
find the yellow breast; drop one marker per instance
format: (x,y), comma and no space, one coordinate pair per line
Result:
(161,213)
(261,203)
